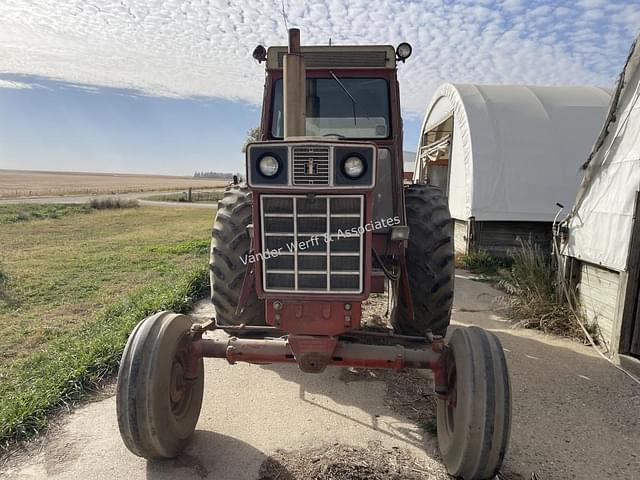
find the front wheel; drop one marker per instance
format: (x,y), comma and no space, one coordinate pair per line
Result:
(474,418)
(157,405)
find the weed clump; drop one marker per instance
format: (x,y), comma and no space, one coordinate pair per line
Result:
(111,203)
(26,212)
(529,280)
(531,294)
(482,263)
(188,247)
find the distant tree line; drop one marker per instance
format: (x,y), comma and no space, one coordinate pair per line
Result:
(212,175)
(253,135)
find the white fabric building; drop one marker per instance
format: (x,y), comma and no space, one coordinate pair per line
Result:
(603,214)
(507,153)
(603,235)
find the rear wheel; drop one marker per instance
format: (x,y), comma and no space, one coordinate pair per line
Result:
(157,405)
(430,264)
(474,419)
(230,244)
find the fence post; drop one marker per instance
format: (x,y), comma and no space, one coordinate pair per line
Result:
(189,195)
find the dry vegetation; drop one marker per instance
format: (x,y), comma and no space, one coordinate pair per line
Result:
(19,183)
(344,462)
(411,395)
(532,296)
(531,293)
(111,203)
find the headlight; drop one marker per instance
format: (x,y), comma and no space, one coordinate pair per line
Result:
(268,165)
(353,167)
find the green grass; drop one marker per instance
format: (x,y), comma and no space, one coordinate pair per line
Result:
(78,361)
(76,285)
(197,247)
(26,212)
(481,263)
(17,213)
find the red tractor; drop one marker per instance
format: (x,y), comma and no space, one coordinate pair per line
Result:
(324,221)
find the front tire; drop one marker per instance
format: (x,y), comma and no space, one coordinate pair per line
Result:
(474,419)
(430,264)
(157,407)
(230,244)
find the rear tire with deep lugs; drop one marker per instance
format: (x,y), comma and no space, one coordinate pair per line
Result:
(430,264)
(230,244)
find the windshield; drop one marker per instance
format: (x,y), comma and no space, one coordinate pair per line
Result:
(349,107)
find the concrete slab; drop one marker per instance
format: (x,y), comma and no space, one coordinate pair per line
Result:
(249,411)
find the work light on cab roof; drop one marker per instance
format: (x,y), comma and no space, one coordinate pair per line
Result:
(403,51)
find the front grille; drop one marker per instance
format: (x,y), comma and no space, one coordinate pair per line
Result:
(311,165)
(297,228)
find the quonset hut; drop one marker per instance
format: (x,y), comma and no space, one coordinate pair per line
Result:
(505,155)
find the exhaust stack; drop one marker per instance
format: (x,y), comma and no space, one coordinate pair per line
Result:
(294,88)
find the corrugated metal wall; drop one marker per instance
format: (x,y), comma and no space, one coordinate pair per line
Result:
(598,296)
(498,238)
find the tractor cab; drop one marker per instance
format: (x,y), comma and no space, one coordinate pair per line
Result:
(351,103)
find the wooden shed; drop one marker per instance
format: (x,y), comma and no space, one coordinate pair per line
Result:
(601,236)
(505,155)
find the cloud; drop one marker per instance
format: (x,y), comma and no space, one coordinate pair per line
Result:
(12,84)
(203,47)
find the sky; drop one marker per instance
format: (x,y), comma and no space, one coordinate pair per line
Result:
(169,86)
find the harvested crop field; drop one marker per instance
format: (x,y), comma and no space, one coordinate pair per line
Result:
(25,183)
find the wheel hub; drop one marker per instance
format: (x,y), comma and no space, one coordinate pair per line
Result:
(180,386)
(177,391)
(452,397)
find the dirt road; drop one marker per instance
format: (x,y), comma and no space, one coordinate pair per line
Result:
(79,199)
(575,416)
(33,183)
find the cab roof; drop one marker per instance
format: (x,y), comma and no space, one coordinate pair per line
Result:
(339,56)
